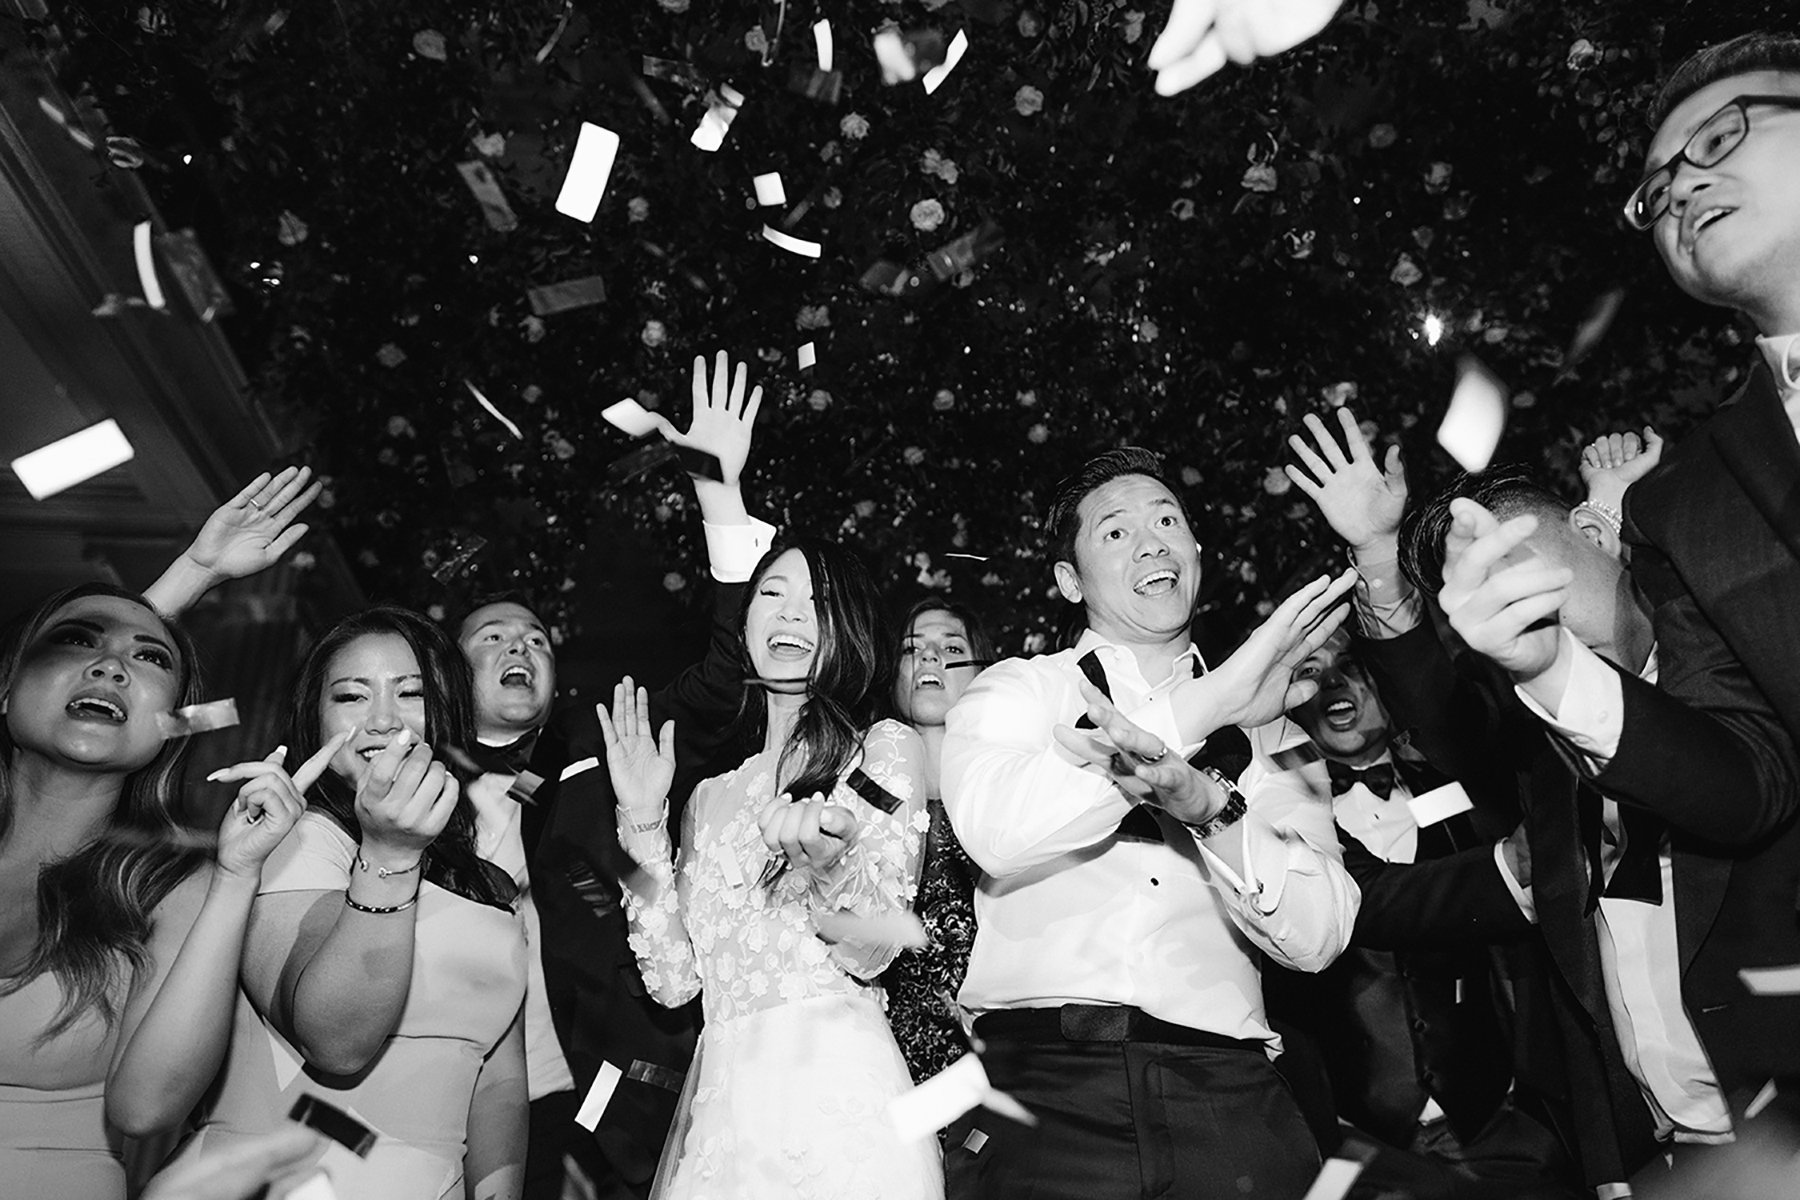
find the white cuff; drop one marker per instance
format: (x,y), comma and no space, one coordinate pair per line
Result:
(733,550)
(1259,889)
(1590,715)
(1521,895)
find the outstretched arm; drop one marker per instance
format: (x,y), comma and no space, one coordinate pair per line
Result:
(246,534)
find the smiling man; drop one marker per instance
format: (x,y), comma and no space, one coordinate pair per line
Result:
(515,673)
(1127,893)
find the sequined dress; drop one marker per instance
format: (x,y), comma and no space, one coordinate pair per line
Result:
(788,1091)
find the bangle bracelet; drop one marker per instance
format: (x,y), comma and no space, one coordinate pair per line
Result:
(380,910)
(1226,817)
(363,864)
(648,826)
(1607,513)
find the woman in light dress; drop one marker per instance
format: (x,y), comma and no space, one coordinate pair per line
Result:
(780,909)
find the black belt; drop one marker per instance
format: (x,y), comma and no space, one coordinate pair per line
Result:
(1100,1023)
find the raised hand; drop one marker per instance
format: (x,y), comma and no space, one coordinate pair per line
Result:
(1497,594)
(267,806)
(723,418)
(1256,685)
(1613,462)
(642,766)
(403,802)
(252,530)
(1202,35)
(1363,503)
(814,834)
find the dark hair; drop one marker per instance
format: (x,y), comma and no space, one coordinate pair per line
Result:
(1063,522)
(1758,51)
(852,672)
(94,906)
(982,647)
(509,596)
(452,862)
(1506,491)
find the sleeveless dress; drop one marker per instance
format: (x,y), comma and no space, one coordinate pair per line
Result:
(54,1141)
(468,980)
(788,1092)
(923,983)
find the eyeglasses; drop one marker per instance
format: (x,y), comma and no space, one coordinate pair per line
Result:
(1710,145)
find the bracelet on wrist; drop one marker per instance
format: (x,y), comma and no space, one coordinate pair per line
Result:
(651,826)
(1607,513)
(363,864)
(380,909)
(1226,817)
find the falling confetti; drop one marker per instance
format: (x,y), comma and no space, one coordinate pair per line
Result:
(769,191)
(1476,417)
(198,718)
(596,148)
(792,245)
(494,412)
(459,558)
(486,190)
(72,460)
(571,293)
(934,78)
(146,265)
(629,416)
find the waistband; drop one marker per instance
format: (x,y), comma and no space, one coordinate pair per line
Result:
(1101,1023)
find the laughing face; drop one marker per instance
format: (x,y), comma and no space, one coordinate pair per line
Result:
(91,683)
(934,668)
(515,669)
(781,626)
(1137,566)
(1731,236)
(1345,720)
(373,690)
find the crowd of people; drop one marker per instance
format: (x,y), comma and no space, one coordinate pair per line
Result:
(1454,867)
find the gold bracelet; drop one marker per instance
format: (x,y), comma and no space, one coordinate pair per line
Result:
(363,864)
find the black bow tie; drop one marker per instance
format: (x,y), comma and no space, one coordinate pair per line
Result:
(1378,778)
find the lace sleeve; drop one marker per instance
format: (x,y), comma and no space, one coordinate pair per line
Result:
(658,935)
(879,875)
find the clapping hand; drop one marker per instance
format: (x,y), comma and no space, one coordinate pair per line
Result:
(813,835)
(267,806)
(1202,35)
(1136,760)
(723,418)
(1499,599)
(1613,462)
(252,530)
(642,766)
(1363,503)
(1256,685)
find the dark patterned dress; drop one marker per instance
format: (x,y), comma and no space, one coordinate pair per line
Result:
(922,984)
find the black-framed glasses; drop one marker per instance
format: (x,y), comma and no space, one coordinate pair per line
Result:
(1709,146)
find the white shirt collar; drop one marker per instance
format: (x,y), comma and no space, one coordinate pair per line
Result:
(1118,655)
(1782,353)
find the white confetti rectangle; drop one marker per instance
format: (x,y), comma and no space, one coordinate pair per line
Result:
(579,767)
(1772,981)
(596,149)
(808,356)
(72,460)
(793,245)
(1334,1179)
(599,1096)
(1476,417)
(499,416)
(629,416)
(927,1108)
(769,191)
(934,78)
(822,43)
(1439,804)
(146,266)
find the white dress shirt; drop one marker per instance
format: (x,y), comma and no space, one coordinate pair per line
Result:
(1782,353)
(1640,960)
(1070,913)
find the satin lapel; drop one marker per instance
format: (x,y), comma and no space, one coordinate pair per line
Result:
(1700,881)
(1559,876)
(1757,444)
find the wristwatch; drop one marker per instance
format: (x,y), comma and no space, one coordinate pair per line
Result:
(1226,817)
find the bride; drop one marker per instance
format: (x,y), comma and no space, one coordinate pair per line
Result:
(766,912)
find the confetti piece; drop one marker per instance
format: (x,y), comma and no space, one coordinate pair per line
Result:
(496,413)
(596,148)
(721,111)
(934,78)
(551,298)
(1593,327)
(72,460)
(918,1113)
(629,416)
(970,557)
(827,87)
(791,244)
(1772,981)
(336,1124)
(808,356)
(657,1076)
(599,1095)
(146,265)
(903,56)
(1334,1179)
(822,41)
(901,929)
(112,304)
(729,867)
(556,34)
(125,153)
(76,133)
(1439,804)
(938,267)
(578,767)
(769,190)
(486,190)
(1760,1101)
(524,787)
(1476,418)
(199,283)
(457,562)
(198,718)
(673,71)
(975,1141)
(649,458)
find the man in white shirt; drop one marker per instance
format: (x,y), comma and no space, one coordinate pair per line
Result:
(1125,893)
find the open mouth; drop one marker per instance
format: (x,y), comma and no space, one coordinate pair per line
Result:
(96,708)
(789,646)
(517,675)
(368,753)
(928,679)
(1341,714)
(1157,583)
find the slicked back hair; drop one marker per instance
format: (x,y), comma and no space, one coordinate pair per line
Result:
(1506,491)
(1062,524)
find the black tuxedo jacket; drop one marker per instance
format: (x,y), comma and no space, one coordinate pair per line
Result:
(1715,543)
(1569,1071)
(596,995)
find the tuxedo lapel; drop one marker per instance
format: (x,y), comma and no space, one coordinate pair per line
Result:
(1559,876)
(1700,882)
(1756,442)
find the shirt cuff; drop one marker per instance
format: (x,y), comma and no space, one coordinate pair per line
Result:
(1266,864)
(1521,895)
(734,550)
(1387,605)
(1590,715)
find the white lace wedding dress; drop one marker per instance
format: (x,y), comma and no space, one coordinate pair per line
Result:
(788,1092)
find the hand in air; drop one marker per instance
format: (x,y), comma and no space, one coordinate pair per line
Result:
(267,806)
(252,530)
(1362,502)
(1256,685)
(723,418)
(641,765)
(1501,598)
(1203,35)
(1613,462)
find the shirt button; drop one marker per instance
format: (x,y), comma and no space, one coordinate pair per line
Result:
(1155,882)
(1419,1026)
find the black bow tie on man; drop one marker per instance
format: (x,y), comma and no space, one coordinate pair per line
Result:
(1378,778)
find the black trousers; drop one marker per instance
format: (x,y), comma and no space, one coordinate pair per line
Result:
(554,1135)
(1132,1120)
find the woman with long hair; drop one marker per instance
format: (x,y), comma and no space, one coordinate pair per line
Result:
(779,911)
(385,967)
(942,647)
(119,942)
